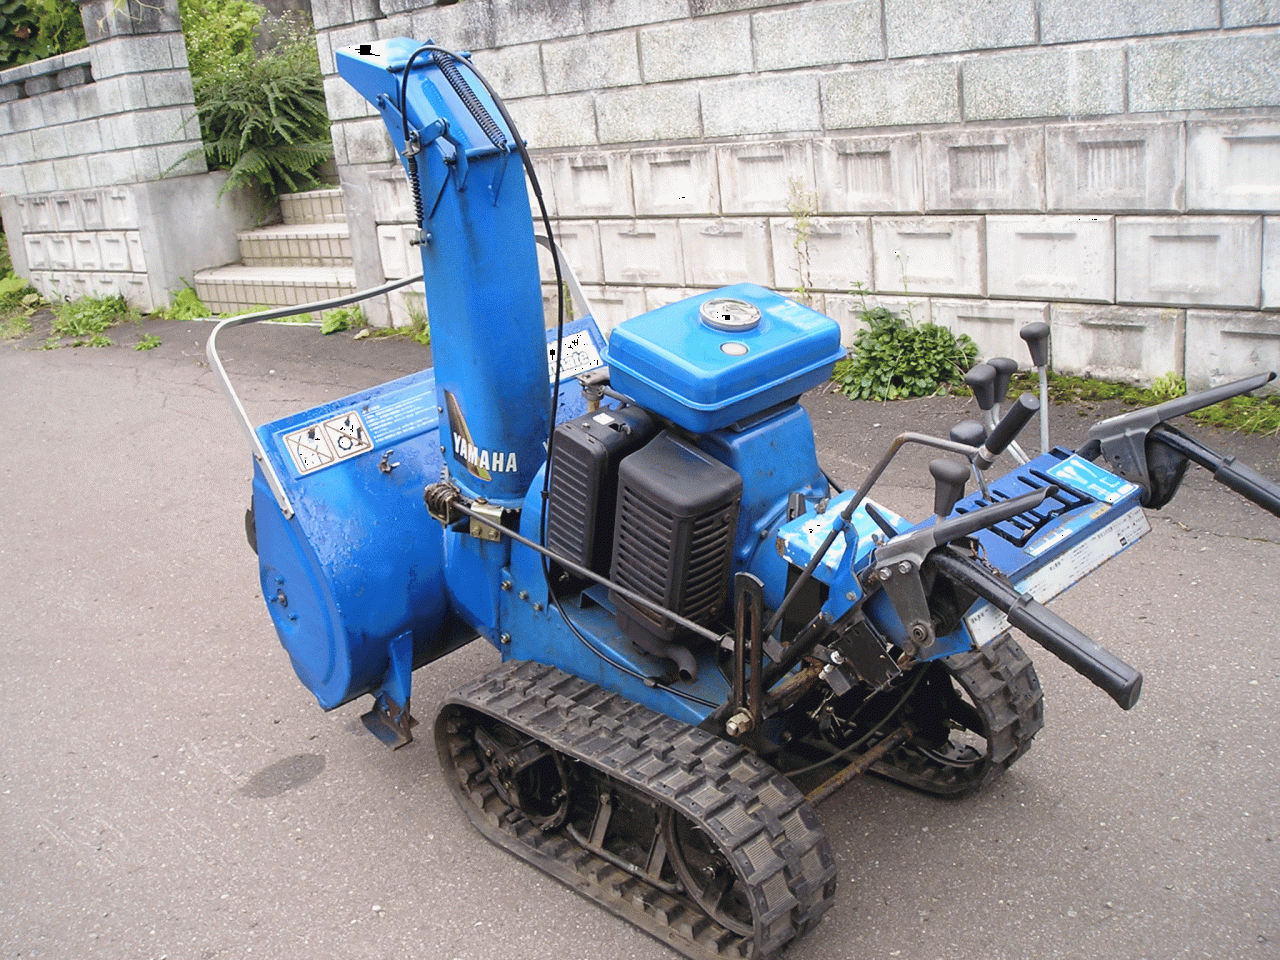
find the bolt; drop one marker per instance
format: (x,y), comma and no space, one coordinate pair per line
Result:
(904,567)
(738,724)
(537,607)
(504,637)
(850,596)
(506,585)
(523,594)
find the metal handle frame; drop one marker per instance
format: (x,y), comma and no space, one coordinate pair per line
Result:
(215,364)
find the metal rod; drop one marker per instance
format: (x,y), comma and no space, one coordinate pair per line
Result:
(860,766)
(1044,408)
(582,571)
(215,364)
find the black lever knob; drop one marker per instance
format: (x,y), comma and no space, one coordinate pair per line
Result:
(1011,424)
(1005,369)
(969,432)
(949,478)
(982,381)
(1037,337)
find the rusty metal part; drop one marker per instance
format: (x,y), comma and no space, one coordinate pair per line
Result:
(861,765)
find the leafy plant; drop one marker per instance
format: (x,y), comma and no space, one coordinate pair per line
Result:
(344,318)
(86,320)
(186,305)
(802,204)
(262,117)
(219,33)
(892,359)
(418,329)
(18,300)
(1168,387)
(37,29)
(149,341)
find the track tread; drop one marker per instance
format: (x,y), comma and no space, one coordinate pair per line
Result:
(762,823)
(1002,681)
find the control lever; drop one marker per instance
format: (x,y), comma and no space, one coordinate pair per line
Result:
(949,478)
(1037,337)
(971,433)
(981,379)
(896,564)
(1240,477)
(1005,368)
(1019,416)
(1095,663)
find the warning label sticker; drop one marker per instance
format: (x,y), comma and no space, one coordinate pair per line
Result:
(327,442)
(578,355)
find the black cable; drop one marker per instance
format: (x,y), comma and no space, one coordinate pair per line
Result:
(845,751)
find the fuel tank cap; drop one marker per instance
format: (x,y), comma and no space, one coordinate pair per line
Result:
(730,314)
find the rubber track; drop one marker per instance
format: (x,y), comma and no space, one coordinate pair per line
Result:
(1002,682)
(764,826)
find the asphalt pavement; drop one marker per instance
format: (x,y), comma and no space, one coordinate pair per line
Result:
(169,790)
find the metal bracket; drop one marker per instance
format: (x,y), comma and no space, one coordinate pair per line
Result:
(581,306)
(490,528)
(390,720)
(748,655)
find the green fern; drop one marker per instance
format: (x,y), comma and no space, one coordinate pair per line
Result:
(264,119)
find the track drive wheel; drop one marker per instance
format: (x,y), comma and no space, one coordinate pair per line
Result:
(975,714)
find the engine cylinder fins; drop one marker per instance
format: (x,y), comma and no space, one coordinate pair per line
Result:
(687,836)
(974,714)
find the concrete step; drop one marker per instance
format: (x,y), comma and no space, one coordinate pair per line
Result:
(239,288)
(313,206)
(296,245)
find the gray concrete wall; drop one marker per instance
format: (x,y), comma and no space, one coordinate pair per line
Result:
(84,139)
(1110,166)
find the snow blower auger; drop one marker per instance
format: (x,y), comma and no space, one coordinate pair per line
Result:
(701,638)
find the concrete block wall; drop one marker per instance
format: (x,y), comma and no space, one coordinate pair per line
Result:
(85,138)
(1111,168)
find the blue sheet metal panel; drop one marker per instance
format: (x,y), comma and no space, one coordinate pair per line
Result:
(361,561)
(702,378)
(1096,516)
(775,458)
(480,271)
(596,650)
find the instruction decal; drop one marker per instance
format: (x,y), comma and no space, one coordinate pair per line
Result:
(578,354)
(327,442)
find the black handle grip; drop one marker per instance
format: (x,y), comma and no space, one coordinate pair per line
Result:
(1250,484)
(1011,424)
(1037,337)
(1096,664)
(982,381)
(1005,369)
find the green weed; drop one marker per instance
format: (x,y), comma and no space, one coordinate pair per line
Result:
(186,305)
(1247,414)
(149,341)
(86,321)
(343,318)
(894,359)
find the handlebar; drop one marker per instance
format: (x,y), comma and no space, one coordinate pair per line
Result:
(1092,661)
